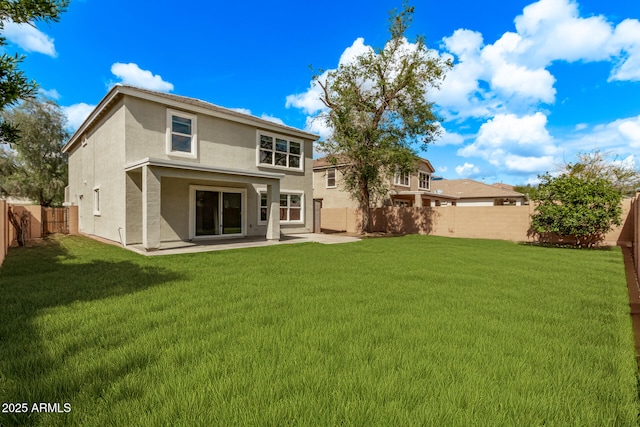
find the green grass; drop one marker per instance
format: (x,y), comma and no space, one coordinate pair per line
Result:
(394,331)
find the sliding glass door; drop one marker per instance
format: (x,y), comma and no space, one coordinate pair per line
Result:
(216,212)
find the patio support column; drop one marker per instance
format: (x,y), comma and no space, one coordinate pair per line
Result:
(273,201)
(150,209)
(418,201)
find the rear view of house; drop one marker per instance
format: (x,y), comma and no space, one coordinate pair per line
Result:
(148,167)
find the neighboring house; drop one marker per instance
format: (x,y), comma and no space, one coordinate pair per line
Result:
(405,190)
(148,167)
(473,193)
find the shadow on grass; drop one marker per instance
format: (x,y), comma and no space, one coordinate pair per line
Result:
(566,246)
(47,276)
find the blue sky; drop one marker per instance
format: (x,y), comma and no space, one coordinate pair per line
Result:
(534,82)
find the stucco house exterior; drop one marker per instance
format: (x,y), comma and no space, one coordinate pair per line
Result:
(473,193)
(405,190)
(148,167)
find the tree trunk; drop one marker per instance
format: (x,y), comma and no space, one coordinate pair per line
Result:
(365,209)
(20,223)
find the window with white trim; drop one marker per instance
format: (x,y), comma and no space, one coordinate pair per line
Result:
(290,208)
(331,178)
(96,201)
(182,134)
(402,178)
(279,152)
(423,180)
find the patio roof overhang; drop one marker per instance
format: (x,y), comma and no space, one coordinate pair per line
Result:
(196,167)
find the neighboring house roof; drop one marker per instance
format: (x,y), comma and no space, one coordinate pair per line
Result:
(470,189)
(323,163)
(181,102)
(503,186)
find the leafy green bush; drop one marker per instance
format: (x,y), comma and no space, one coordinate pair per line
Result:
(577,208)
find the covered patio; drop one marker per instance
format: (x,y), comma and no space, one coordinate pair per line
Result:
(170,202)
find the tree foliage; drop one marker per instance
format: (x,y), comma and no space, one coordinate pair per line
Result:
(34,165)
(576,207)
(598,164)
(377,110)
(14,84)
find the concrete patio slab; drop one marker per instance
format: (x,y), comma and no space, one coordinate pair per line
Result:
(181,247)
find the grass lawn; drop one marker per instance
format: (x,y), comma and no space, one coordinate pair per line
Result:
(416,330)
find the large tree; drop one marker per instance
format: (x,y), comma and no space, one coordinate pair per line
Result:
(14,84)
(575,207)
(377,109)
(34,165)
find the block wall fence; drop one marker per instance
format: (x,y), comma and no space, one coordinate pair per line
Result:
(487,222)
(35,227)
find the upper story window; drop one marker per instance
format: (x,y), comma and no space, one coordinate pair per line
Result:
(182,133)
(423,180)
(402,178)
(280,152)
(331,178)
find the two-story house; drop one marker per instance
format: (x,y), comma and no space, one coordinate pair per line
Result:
(148,167)
(405,189)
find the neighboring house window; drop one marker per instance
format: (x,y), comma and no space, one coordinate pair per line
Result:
(182,134)
(423,180)
(290,208)
(96,200)
(398,203)
(278,151)
(402,178)
(331,178)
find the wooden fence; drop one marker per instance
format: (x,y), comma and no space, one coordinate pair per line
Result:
(55,220)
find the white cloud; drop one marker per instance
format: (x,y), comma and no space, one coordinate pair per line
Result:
(51,94)
(554,30)
(515,143)
(626,40)
(467,170)
(619,137)
(309,101)
(630,130)
(318,126)
(529,164)
(511,74)
(508,129)
(29,38)
(242,110)
(264,116)
(448,138)
(133,75)
(357,49)
(76,114)
(272,119)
